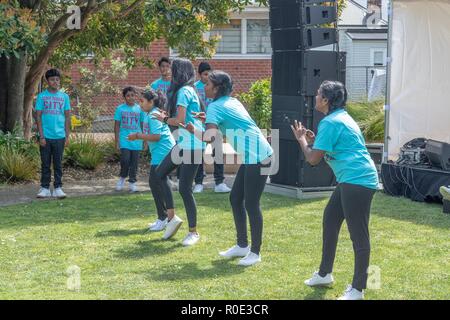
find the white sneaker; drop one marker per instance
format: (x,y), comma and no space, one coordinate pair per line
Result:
(198,188)
(44,193)
(191,239)
(318,281)
(222,188)
(250,259)
(172,227)
(445,192)
(173,185)
(352,294)
(120,184)
(159,225)
(58,193)
(133,187)
(235,251)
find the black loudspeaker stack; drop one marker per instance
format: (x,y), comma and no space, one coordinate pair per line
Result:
(298,27)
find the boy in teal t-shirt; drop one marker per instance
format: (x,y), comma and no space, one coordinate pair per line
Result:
(204,69)
(53,122)
(163,83)
(128,120)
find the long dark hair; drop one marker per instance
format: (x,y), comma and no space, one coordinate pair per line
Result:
(222,81)
(183,74)
(158,97)
(336,94)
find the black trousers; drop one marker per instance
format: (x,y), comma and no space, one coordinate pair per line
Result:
(351,203)
(128,164)
(162,193)
(244,197)
(187,171)
(52,152)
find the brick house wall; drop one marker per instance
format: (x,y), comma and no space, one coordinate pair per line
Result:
(243,71)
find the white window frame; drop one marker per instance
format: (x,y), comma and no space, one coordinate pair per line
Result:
(372,56)
(252,14)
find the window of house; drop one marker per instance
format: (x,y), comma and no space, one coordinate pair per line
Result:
(378,57)
(242,38)
(258,36)
(230,37)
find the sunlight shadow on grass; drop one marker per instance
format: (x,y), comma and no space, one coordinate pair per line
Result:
(190,271)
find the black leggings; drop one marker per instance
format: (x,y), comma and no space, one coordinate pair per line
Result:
(352,203)
(244,197)
(187,171)
(161,191)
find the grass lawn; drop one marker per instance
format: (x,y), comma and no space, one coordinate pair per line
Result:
(106,237)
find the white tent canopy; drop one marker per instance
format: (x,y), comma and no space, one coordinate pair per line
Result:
(419,80)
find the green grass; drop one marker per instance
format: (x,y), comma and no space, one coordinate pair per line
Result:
(106,237)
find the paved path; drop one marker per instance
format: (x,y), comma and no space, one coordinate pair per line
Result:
(16,194)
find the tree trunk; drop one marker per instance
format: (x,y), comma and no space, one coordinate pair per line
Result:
(4,66)
(16,83)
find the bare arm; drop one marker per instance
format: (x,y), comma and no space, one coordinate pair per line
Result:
(42,141)
(67,114)
(145,137)
(116,133)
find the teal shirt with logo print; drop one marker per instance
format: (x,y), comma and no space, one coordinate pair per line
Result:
(158,149)
(241,131)
(130,118)
(161,84)
(53,106)
(345,150)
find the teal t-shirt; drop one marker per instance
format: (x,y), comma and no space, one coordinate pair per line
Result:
(200,87)
(345,150)
(188,98)
(158,149)
(53,106)
(160,84)
(130,118)
(241,131)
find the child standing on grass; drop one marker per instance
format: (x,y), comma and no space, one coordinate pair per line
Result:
(160,142)
(53,122)
(128,120)
(204,69)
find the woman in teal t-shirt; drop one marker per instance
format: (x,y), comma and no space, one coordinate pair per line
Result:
(188,152)
(340,141)
(229,116)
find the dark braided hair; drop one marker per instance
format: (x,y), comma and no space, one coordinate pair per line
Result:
(158,97)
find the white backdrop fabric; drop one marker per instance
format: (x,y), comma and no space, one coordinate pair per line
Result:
(420,72)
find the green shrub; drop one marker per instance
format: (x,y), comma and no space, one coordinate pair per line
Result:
(16,165)
(19,158)
(258,101)
(110,153)
(370,118)
(84,152)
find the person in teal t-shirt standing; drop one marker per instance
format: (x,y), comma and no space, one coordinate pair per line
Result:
(163,83)
(188,152)
(227,116)
(203,70)
(340,142)
(160,142)
(53,122)
(128,118)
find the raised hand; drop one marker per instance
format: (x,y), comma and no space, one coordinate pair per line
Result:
(298,129)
